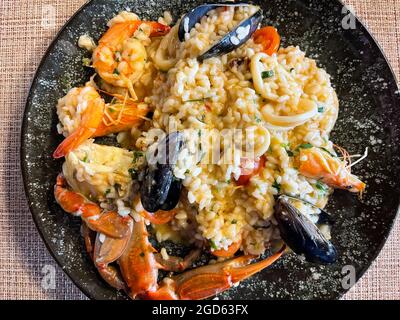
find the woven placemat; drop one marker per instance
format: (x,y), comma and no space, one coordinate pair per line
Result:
(26,268)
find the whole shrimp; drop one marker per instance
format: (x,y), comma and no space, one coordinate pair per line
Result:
(84,114)
(120,59)
(319,164)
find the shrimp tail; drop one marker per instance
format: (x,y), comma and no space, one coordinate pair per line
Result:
(73,141)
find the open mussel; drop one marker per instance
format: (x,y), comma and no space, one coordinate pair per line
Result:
(190,19)
(160,189)
(232,40)
(301,234)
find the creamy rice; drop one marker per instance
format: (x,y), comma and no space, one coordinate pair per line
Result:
(202,100)
(226,213)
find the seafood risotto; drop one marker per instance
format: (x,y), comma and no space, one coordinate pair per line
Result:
(222,145)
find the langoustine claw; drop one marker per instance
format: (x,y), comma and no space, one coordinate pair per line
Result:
(207,281)
(108,250)
(109,223)
(139,267)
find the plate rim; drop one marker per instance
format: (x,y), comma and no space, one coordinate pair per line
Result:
(23,152)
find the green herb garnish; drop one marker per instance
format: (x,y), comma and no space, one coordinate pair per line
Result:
(321,109)
(289,153)
(137,155)
(107,191)
(132,172)
(197,100)
(286,146)
(321,186)
(258,120)
(142,254)
(267,74)
(277,186)
(85,159)
(116,71)
(86,62)
(326,150)
(304,146)
(213,245)
(234,221)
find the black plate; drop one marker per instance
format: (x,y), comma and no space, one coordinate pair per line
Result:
(369,116)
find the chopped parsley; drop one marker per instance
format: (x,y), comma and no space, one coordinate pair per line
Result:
(137,155)
(86,62)
(228,181)
(321,186)
(234,221)
(213,245)
(132,172)
(111,109)
(289,153)
(142,254)
(107,191)
(326,150)
(277,186)
(286,146)
(197,100)
(85,159)
(257,118)
(304,146)
(267,74)
(116,71)
(321,108)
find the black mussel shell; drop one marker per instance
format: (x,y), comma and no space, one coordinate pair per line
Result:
(174,194)
(167,149)
(155,187)
(324,218)
(159,188)
(235,38)
(189,20)
(302,235)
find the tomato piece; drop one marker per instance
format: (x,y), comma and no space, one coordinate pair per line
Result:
(249,168)
(269,39)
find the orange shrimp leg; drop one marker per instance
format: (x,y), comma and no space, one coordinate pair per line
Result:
(206,281)
(106,251)
(178,264)
(109,223)
(89,237)
(137,263)
(158,217)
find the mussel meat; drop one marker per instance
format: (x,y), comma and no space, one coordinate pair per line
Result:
(232,40)
(302,235)
(160,189)
(190,19)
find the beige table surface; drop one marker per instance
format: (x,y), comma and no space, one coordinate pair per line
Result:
(24,37)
